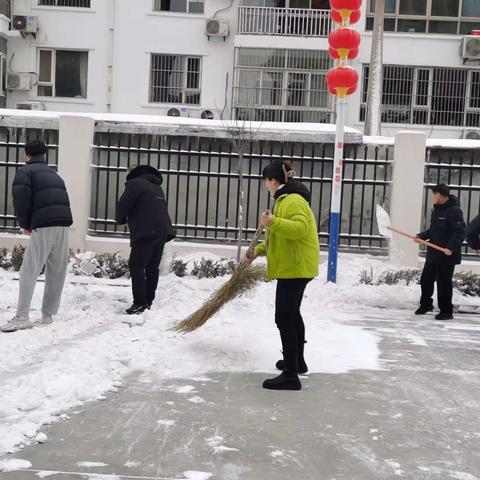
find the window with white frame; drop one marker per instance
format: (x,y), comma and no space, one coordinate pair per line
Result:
(428,16)
(175,79)
(65,3)
(427,96)
(282,85)
(179,6)
(62,73)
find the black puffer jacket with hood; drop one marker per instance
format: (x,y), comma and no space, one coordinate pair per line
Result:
(143,205)
(447,229)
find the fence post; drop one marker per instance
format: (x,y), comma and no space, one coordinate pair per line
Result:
(407,195)
(74,161)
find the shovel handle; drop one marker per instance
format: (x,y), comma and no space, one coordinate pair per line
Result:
(413,237)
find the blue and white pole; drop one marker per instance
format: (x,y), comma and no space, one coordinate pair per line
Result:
(334,231)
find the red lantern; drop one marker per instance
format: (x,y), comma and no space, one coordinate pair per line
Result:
(344,40)
(345,7)
(352,54)
(342,81)
(354,17)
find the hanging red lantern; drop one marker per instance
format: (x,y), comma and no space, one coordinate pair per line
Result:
(352,54)
(354,16)
(345,7)
(344,40)
(342,81)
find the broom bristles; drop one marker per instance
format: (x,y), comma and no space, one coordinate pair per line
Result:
(243,279)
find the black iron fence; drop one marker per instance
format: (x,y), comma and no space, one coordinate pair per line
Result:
(12,157)
(460,169)
(201,182)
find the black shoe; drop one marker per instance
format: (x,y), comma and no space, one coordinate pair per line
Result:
(423,310)
(136,309)
(302,366)
(283,382)
(444,316)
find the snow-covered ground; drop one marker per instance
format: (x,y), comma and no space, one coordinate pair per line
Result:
(88,351)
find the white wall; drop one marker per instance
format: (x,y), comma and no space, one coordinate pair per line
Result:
(138,32)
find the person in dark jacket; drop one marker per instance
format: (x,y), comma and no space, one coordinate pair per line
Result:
(144,208)
(447,230)
(473,234)
(42,208)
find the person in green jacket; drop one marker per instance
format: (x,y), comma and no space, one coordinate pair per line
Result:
(292,250)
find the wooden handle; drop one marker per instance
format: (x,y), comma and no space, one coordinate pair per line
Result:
(251,248)
(413,237)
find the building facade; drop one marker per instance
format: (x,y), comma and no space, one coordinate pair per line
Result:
(261,60)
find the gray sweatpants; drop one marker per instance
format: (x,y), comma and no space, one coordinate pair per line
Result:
(47,246)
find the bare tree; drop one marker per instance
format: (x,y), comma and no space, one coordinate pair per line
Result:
(375,75)
(242,134)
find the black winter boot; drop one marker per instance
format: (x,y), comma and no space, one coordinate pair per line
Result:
(302,366)
(283,382)
(136,309)
(423,310)
(444,316)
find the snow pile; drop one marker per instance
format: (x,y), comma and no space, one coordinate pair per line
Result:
(87,351)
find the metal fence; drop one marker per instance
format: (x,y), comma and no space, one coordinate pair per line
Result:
(201,179)
(12,144)
(460,169)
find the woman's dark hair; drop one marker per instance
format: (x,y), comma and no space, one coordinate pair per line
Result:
(280,171)
(35,148)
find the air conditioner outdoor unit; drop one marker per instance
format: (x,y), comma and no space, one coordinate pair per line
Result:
(25,23)
(207,115)
(217,28)
(471,134)
(19,81)
(178,112)
(36,106)
(471,47)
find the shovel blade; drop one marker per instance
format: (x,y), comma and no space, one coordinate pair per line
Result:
(383,222)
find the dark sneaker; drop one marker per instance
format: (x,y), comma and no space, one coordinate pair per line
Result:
(423,310)
(283,382)
(302,366)
(444,316)
(136,309)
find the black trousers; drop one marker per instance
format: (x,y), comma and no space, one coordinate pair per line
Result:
(442,273)
(144,263)
(289,321)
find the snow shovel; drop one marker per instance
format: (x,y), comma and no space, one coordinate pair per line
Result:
(385,228)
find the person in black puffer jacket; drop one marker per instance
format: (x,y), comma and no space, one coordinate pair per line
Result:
(42,208)
(473,234)
(447,230)
(144,208)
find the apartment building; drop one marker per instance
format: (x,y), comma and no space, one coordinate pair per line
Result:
(258,59)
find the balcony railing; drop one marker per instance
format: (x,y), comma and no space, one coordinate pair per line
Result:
(297,22)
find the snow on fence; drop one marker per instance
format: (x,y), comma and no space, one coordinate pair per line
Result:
(201,177)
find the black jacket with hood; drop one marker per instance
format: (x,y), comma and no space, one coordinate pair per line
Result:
(293,186)
(143,205)
(447,229)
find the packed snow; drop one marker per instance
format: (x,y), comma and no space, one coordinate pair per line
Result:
(88,351)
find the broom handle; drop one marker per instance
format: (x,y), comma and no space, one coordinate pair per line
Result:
(424,242)
(251,248)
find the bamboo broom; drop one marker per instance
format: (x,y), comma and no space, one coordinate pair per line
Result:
(243,279)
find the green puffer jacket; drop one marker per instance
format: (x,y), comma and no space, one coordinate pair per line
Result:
(291,242)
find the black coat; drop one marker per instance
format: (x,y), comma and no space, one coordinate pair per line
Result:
(447,229)
(40,198)
(473,233)
(143,205)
